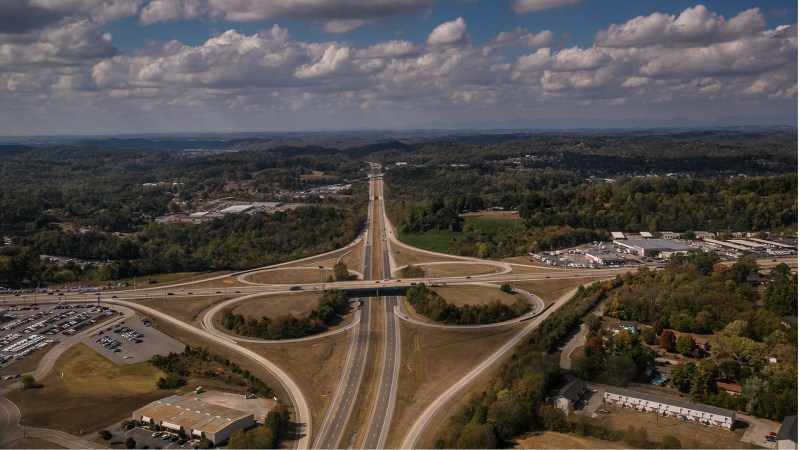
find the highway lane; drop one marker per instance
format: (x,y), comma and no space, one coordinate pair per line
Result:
(332,431)
(383,406)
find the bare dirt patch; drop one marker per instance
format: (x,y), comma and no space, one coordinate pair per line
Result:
(460,295)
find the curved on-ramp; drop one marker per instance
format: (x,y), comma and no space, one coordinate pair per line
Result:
(301,409)
(413,434)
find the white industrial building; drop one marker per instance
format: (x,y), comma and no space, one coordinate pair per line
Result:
(696,412)
(196,416)
(663,247)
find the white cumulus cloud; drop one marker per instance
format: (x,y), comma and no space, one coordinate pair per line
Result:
(449,33)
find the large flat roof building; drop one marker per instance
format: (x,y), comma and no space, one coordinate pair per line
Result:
(787,433)
(644,246)
(195,416)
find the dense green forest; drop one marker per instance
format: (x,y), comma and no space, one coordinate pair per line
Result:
(332,305)
(432,305)
(747,327)
(562,208)
(744,335)
(97,199)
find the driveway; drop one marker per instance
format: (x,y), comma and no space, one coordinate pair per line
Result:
(757,429)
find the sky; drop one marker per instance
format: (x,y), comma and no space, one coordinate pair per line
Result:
(160,66)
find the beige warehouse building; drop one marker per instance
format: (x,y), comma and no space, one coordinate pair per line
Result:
(196,417)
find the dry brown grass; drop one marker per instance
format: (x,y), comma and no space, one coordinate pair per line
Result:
(691,434)
(432,359)
(93,392)
(314,365)
(317,175)
(404,256)
(31,443)
(493,214)
(351,256)
(186,309)
(550,290)
(273,306)
(291,276)
(460,295)
(461,269)
(550,439)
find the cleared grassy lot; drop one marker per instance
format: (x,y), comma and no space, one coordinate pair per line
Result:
(474,295)
(186,309)
(491,222)
(550,290)
(691,434)
(459,269)
(550,439)
(272,306)
(93,392)
(291,275)
(31,443)
(435,241)
(314,365)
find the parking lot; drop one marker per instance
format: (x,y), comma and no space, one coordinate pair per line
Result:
(132,341)
(29,328)
(145,437)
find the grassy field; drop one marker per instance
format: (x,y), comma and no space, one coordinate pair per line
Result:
(474,295)
(459,269)
(435,241)
(691,434)
(491,223)
(291,276)
(272,306)
(31,443)
(187,309)
(314,365)
(351,256)
(550,439)
(93,392)
(431,360)
(549,290)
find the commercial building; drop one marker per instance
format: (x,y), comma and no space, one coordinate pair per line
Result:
(196,417)
(604,259)
(617,235)
(704,235)
(237,209)
(663,247)
(670,235)
(681,409)
(787,433)
(570,394)
(646,235)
